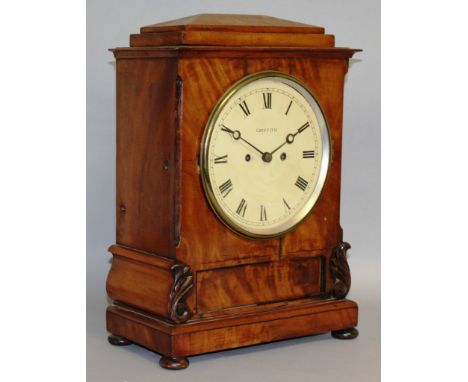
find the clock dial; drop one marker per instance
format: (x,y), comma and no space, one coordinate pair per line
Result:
(265,155)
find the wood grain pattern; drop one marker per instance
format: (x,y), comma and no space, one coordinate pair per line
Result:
(139,330)
(142,256)
(266,331)
(197,219)
(244,52)
(133,283)
(222,38)
(169,240)
(257,284)
(197,337)
(232,23)
(325,79)
(256,308)
(150,282)
(145,142)
(237,30)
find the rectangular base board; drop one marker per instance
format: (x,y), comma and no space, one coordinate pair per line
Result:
(228,332)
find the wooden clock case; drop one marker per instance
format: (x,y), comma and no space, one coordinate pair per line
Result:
(181,282)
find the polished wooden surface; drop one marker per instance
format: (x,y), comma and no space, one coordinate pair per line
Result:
(133,283)
(118,341)
(182,282)
(232,30)
(232,23)
(155,284)
(326,79)
(174,363)
(204,239)
(221,38)
(207,51)
(258,283)
(345,334)
(204,336)
(145,143)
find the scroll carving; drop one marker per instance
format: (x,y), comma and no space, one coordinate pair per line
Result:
(183,283)
(340,272)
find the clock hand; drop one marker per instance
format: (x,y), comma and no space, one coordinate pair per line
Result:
(237,135)
(290,137)
(275,150)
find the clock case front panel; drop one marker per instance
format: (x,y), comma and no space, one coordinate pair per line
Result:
(181,281)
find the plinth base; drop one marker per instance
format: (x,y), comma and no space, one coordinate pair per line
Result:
(177,341)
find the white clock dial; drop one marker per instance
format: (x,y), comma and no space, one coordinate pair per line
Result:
(265,155)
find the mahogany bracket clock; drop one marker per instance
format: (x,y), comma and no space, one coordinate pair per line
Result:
(228,187)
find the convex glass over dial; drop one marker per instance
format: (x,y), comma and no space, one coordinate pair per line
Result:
(265,155)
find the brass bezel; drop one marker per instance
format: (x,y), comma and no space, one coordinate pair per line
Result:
(324,166)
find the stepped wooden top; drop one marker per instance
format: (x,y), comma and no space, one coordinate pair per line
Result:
(232,22)
(232,30)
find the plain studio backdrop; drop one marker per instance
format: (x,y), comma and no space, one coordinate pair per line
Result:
(355,24)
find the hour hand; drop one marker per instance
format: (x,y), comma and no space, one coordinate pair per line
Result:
(290,137)
(303,127)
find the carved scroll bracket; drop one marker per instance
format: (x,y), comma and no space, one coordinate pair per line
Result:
(183,283)
(340,272)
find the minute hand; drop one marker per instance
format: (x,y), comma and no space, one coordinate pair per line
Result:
(237,135)
(290,137)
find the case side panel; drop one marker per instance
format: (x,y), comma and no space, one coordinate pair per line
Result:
(146,171)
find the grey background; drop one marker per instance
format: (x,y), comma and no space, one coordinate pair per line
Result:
(355,24)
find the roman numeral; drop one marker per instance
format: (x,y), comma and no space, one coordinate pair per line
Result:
(286,204)
(263,215)
(301,183)
(245,108)
(267,100)
(308,154)
(241,208)
(226,188)
(303,127)
(289,107)
(222,159)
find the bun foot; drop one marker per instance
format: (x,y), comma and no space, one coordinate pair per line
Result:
(117,340)
(176,363)
(345,334)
